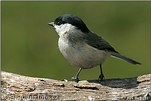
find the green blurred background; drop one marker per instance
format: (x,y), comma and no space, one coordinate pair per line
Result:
(29,45)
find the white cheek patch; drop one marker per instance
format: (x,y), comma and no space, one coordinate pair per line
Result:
(57,28)
(63,28)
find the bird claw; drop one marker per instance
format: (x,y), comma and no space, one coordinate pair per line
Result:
(75,79)
(101,77)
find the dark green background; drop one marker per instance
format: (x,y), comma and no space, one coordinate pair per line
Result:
(29,45)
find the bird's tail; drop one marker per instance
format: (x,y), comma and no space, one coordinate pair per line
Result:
(118,55)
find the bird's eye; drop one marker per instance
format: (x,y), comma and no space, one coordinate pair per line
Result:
(58,23)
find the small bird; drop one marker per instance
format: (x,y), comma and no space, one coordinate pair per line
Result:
(81,47)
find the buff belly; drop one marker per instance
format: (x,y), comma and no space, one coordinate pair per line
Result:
(82,55)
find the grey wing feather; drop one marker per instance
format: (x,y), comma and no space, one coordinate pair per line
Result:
(97,42)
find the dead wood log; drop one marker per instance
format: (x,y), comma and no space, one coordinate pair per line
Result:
(22,88)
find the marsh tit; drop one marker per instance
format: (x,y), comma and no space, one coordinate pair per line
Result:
(81,47)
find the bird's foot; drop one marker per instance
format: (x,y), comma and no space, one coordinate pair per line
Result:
(75,79)
(101,77)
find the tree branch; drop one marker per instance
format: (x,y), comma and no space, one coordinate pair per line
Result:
(17,88)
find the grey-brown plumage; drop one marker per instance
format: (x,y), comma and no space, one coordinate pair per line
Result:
(81,47)
(99,43)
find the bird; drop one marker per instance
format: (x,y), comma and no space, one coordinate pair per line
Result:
(83,48)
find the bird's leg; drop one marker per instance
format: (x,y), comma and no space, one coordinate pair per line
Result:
(75,78)
(101,75)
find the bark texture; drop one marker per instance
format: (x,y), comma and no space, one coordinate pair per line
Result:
(22,88)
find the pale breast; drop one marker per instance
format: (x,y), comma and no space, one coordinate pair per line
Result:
(81,54)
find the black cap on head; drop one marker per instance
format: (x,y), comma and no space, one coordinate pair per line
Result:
(72,19)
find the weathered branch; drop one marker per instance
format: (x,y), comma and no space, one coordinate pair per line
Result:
(17,88)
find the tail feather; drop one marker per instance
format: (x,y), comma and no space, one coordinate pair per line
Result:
(118,55)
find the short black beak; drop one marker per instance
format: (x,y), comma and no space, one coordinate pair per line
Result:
(51,24)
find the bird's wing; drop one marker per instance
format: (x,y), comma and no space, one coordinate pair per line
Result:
(97,42)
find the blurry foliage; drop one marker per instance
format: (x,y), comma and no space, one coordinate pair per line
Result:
(29,45)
